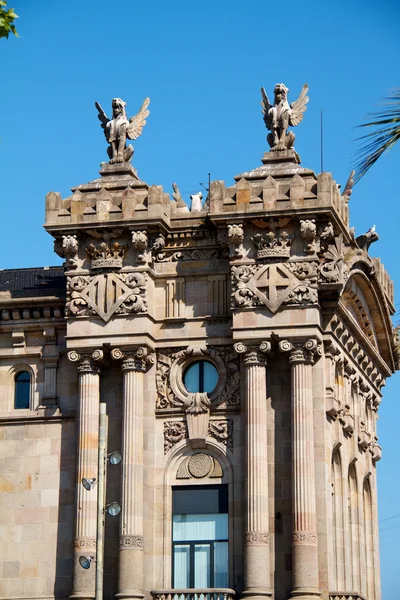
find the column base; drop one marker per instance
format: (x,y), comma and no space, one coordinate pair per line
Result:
(257,594)
(130,595)
(305,594)
(82,596)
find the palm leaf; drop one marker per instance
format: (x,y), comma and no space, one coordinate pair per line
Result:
(386,125)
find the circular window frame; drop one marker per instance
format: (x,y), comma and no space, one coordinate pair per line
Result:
(181,364)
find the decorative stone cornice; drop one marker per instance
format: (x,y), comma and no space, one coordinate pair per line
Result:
(87,362)
(301,351)
(254,354)
(134,360)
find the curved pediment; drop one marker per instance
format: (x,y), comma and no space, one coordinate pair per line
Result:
(366,306)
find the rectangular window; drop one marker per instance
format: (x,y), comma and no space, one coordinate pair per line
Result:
(200,537)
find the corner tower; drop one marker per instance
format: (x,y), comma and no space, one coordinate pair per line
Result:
(253,337)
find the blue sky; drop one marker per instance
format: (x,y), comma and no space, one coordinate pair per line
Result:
(202,64)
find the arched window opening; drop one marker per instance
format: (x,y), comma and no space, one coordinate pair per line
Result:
(354,534)
(200,376)
(22,393)
(200,537)
(338,521)
(369,543)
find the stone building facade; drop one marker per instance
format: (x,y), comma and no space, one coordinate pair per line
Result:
(240,349)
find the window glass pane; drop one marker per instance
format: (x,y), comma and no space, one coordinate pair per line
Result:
(200,527)
(22,390)
(221,565)
(202,571)
(200,500)
(181,566)
(200,376)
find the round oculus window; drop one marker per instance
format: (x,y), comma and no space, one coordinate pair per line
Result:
(200,376)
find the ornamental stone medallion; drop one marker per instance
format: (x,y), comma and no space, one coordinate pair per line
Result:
(272,285)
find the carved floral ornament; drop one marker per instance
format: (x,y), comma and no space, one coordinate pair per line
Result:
(176,431)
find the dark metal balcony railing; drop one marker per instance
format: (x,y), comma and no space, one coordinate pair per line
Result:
(194,594)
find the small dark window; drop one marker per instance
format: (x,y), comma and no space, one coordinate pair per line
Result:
(200,376)
(22,390)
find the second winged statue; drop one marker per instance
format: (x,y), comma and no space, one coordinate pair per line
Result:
(118,129)
(279,115)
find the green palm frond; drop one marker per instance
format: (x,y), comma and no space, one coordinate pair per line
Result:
(386,124)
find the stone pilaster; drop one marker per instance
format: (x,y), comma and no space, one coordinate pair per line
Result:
(257,577)
(87,466)
(305,583)
(133,366)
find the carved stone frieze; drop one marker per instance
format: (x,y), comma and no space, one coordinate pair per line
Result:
(127,542)
(176,431)
(256,538)
(106,294)
(85,544)
(304,538)
(222,432)
(192,254)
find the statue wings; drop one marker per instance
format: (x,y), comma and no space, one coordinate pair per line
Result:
(265,106)
(102,117)
(298,108)
(137,122)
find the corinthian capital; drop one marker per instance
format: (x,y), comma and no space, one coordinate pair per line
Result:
(253,354)
(87,362)
(134,360)
(301,351)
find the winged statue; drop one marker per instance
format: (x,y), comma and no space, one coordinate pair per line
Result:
(118,129)
(280,115)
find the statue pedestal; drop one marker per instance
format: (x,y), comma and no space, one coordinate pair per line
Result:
(123,168)
(281,156)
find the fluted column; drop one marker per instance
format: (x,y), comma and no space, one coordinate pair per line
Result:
(133,366)
(305,584)
(87,461)
(257,578)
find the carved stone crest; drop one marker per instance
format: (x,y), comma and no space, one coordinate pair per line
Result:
(106,294)
(272,245)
